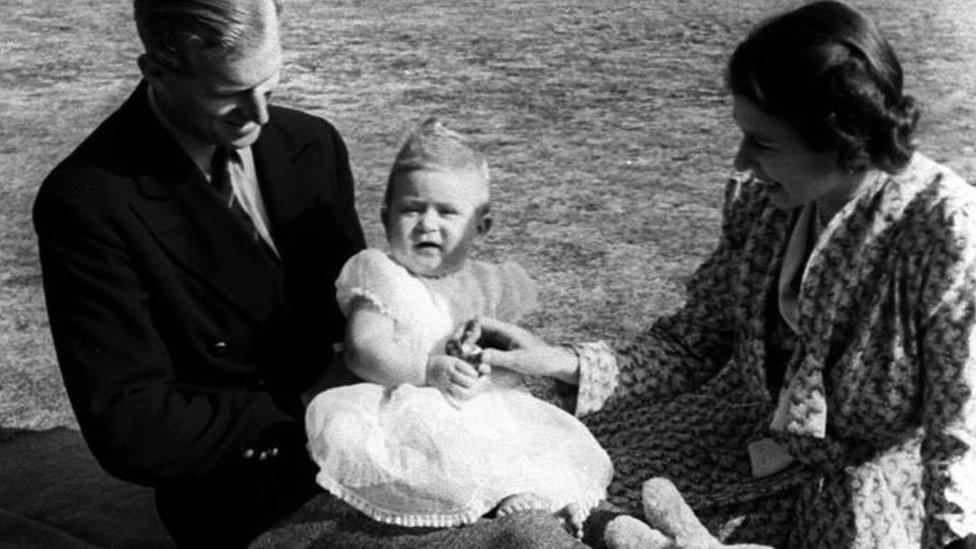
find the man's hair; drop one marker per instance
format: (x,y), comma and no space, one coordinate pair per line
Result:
(170,29)
(434,146)
(826,71)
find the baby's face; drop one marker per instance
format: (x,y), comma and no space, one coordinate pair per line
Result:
(432,218)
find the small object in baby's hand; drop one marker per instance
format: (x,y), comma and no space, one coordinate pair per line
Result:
(466,346)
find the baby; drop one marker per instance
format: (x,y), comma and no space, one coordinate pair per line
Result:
(432,437)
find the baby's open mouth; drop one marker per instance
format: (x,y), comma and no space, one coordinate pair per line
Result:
(429,246)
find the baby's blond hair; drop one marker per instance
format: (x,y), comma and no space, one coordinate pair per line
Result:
(434,146)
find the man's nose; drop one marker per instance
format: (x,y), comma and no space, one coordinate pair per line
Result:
(256,107)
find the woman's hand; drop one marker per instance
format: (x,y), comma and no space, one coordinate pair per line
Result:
(509,346)
(456,378)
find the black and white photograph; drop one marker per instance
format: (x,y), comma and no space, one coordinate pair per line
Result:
(521,274)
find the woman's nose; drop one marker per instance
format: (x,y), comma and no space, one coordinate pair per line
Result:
(743,157)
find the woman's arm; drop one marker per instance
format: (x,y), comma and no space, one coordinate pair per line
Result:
(948,336)
(515,348)
(685,349)
(677,353)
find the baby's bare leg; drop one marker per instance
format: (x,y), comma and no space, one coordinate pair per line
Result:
(524,501)
(572,515)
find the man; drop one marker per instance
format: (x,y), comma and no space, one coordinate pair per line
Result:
(189,249)
(191,300)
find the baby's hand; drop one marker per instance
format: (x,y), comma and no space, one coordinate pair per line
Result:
(464,345)
(456,378)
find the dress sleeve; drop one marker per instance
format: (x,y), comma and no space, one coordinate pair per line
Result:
(948,336)
(372,275)
(518,295)
(682,350)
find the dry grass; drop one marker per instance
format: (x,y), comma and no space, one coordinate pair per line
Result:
(605,120)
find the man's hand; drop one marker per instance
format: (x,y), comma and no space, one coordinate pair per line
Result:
(509,346)
(456,378)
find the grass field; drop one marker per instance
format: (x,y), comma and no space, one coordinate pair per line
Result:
(605,120)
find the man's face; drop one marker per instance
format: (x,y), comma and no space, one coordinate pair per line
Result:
(223,100)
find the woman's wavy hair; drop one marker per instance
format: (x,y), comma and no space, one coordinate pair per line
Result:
(826,71)
(169,29)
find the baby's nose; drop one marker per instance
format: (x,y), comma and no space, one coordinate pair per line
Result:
(428,220)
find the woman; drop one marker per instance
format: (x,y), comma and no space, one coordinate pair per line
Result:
(816,388)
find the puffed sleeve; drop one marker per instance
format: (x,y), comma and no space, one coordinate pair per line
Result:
(948,334)
(686,348)
(507,292)
(372,275)
(518,295)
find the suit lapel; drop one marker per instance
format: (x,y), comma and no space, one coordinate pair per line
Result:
(185,217)
(282,162)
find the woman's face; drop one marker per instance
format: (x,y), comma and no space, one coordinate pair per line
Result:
(793,174)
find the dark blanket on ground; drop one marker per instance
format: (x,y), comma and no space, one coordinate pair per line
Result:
(54,495)
(327,522)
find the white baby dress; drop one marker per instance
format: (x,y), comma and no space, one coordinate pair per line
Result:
(405,455)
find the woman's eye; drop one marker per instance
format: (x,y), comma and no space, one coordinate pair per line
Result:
(757,143)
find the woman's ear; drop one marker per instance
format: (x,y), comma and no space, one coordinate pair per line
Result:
(853,160)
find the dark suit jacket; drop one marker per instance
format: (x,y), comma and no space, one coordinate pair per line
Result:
(182,341)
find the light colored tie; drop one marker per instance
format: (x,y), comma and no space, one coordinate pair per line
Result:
(227,174)
(224,168)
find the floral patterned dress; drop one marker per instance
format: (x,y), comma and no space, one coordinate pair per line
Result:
(876,404)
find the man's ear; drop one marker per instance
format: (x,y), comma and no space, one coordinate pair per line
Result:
(484,224)
(150,68)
